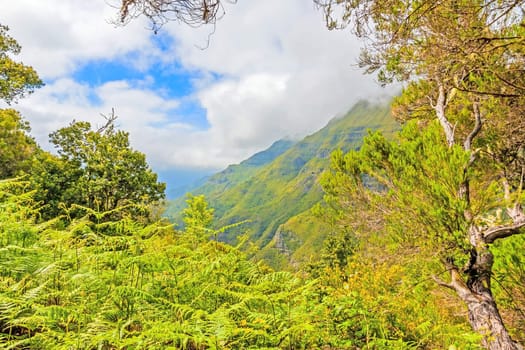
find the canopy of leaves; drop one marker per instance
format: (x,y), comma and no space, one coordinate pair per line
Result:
(410,185)
(97,169)
(16,79)
(447,39)
(454,54)
(17,148)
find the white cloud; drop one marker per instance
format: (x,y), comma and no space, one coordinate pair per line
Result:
(57,36)
(137,110)
(283,73)
(242,112)
(271,70)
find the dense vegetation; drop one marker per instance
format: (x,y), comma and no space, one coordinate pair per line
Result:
(462,190)
(426,226)
(277,195)
(123,284)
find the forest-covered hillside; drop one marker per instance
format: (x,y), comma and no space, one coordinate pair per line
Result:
(425,214)
(275,197)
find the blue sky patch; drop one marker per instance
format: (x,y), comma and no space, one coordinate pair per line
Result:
(171,80)
(168,80)
(189,111)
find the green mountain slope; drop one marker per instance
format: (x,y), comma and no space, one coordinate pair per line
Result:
(215,185)
(277,196)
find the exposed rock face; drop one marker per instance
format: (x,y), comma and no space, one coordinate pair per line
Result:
(279,242)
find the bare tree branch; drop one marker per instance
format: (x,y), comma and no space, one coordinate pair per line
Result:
(503,231)
(440,113)
(109,121)
(477,127)
(194,13)
(457,284)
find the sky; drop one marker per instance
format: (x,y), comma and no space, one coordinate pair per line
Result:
(270,70)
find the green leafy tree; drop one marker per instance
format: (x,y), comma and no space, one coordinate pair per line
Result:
(16,79)
(98,169)
(411,186)
(53,179)
(17,148)
(198,217)
(463,63)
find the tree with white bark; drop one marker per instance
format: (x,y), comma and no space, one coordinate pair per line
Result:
(462,63)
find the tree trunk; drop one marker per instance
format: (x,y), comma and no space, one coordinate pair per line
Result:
(485,319)
(483,312)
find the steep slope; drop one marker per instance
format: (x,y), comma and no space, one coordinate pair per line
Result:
(283,191)
(213,186)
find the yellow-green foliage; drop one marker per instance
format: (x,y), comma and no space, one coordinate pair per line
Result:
(120,284)
(383,298)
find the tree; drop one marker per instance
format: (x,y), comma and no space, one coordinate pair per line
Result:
(16,79)
(197,217)
(463,61)
(99,170)
(54,180)
(17,148)
(192,12)
(411,185)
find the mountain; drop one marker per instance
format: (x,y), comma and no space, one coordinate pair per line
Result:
(215,185)
(276,189)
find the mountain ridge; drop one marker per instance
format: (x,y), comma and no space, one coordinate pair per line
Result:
(219,182)
(283,190)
